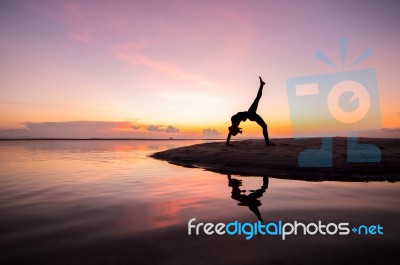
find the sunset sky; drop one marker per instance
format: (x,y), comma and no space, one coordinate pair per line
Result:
(181,69)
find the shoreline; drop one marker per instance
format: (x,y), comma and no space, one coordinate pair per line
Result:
(253,158)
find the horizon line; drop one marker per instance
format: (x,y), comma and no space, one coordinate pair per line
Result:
(166,139)
(108,139)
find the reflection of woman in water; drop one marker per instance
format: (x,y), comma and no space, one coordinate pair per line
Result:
(251,115)
(250,200)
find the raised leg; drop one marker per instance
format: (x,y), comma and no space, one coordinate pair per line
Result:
(254,106)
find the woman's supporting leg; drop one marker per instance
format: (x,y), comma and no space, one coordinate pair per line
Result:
(257,118)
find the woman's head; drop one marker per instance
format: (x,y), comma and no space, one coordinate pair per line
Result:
(234,130)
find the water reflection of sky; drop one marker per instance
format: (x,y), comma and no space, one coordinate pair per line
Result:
(53,191)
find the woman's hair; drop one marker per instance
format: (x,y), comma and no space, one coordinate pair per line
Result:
(234,130)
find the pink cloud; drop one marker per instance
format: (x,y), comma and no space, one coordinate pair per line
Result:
(90,129)
(83,37)
(161,128)
(74,16)
(211,35)
(132,54)
(211,133)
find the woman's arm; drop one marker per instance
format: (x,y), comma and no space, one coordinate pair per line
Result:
(229,138)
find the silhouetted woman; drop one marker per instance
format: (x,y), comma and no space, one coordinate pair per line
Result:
(251,115)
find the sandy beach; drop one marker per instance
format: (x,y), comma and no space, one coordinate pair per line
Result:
(253,158)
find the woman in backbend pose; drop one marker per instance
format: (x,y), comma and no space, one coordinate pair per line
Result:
(251,115)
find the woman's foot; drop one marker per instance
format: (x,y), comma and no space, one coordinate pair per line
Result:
(269,144)
(262,83)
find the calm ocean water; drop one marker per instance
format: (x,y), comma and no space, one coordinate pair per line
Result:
(107,202)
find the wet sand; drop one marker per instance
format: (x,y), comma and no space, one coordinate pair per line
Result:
(253,158)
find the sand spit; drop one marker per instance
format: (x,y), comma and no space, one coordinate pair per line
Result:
(253,158)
